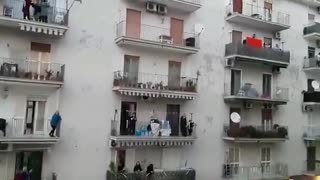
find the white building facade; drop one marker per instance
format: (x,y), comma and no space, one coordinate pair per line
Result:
(104,65)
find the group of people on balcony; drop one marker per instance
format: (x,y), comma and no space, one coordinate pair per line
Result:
(137,168)
(36,11)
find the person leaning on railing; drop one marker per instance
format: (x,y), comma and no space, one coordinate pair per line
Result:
(55,121)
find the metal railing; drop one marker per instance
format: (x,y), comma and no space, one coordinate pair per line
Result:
(248,90)
(163,175)
(18,127)
(314,28)
(164,130)
(267,131)
(313,97)
(312,166)
(156,34)
(43,12)
(154,81)
(311,62)
(262,53)
(267,171)
(311,131)
(31,69)
(261,13)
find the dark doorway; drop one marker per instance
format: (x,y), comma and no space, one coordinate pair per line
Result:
(30,161)
(127,108)
(233,125)
(266,115)
(236,37)
(173,114)
(311,158)
(237,6)
(121,159)
(174,75)
(235,81)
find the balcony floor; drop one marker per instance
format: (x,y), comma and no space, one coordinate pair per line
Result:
(256,23)
(254,100)
(142,141)
(156,93)
(254,140)
(33,26)
(312,36)
(127,41)
(20,81)
(258,60)
(180,5)
(29,139)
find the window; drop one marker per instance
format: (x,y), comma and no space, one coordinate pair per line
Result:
(131,69)
(266,85)
(235,81)
(233,160)
(266,159)
(267,42)
(311,52)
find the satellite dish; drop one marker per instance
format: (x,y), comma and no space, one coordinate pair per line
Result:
(235,117)
(315,84)
(198,28)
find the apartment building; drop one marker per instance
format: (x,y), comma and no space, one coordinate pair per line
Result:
(199,89)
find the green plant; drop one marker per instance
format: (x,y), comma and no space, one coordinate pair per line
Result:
(112,167)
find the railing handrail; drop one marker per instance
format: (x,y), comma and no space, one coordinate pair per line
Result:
(153,74)
(30,60)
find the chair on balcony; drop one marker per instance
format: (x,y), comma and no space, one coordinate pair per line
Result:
(3,125)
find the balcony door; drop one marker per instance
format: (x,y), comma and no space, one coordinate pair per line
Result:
(236,37)
(35,121)
(233,160)
(237,6)
(267,86)
(133,25)
(174,75)
(311,158)
(176,30)
(32,161)
(266,119)
(173,115)
(266,159)
(127,108)
(131,69)
(235,81)
(268,11)
(40,57)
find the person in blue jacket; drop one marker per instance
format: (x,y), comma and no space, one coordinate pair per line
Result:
(55,121)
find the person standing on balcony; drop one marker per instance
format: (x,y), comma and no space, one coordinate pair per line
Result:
(318,59)
(55,121)
(132,124)
(183,125)
(26,9)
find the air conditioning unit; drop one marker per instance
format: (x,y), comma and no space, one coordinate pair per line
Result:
(5,147)
(229,62)
(318,43)
(276,70)
(227,172)
(151,7)
(267,106)
(248,105)
(162,9)
(8,11)
(277,35)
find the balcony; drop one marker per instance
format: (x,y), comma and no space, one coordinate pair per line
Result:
(258,17)
(160,135)
(273,57)
(16,133)
(275,171)
(248,94)
(312,168)
(147,36)
(45,18)
(310,99)
(188,174)
(311,3)
(311,133)
(188,6)
(154,85)
(311,66)
(255,134)
(312,32)
(30,72)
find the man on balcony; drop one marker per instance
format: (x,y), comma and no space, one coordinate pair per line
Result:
(55,121)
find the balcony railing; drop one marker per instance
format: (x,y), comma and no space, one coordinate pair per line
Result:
(144,129)
(256,132)
(17,127)
(260,13)
(154,82)
(311,132)
(38,12)
(311,63)
(248,91)
(231,171)
(315,28)
(153,34)
(311,97)
(258,54)
(167,175)
(31,70)
(312,167)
